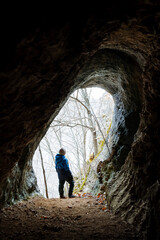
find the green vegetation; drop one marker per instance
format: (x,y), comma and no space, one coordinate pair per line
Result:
(79,187)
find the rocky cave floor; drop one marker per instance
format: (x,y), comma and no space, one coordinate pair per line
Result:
(83,217)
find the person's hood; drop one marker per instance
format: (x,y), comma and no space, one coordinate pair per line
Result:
(59,158)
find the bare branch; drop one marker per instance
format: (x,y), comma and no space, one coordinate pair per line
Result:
(80,102)
(71,126)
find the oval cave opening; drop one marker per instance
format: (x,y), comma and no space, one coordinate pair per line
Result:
(43,63)
(82,128)
(120,75)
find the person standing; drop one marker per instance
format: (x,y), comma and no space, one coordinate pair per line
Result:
(64,173)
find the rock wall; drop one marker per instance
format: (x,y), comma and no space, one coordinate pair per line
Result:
(115,47)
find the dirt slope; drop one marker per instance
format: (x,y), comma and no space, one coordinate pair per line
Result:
(79,218)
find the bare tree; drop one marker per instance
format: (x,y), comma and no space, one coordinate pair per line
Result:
(44,174)
(49,148)
(90,120)
(91,116)
(79,129)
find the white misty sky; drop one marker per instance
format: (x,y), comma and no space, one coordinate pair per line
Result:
(52,179)
(97,92)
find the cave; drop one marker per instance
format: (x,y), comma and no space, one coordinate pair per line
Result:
(47,55)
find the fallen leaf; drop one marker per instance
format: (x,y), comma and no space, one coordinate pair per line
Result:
(98,195)
(104,208)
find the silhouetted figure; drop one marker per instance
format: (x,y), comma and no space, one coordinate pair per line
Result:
(64,173)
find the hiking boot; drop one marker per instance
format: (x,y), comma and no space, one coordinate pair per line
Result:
(72,196)
(63,197)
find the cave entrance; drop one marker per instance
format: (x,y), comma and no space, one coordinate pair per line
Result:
(81,127)
(120,75)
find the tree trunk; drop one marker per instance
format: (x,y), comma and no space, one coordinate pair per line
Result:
(95,144)
(84,139)
(50,150)
(44,174)
(90,120)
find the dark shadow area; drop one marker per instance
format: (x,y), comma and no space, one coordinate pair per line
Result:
(52,55)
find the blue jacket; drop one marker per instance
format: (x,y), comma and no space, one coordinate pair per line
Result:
(61,162)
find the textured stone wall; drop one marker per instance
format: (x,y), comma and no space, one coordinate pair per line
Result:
(58,51)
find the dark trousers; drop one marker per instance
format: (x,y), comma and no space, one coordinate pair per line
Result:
(65,176)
